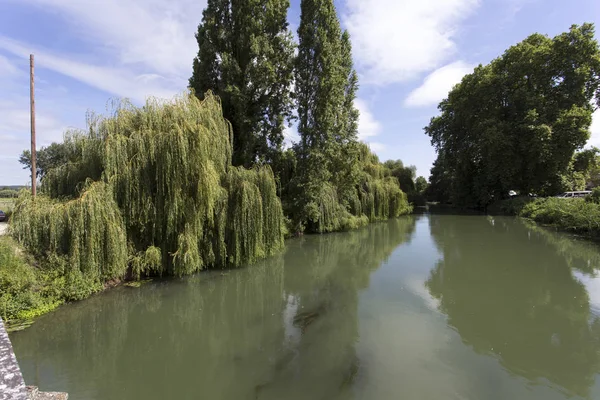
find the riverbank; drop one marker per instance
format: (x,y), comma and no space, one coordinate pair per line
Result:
(26,291)
(30,288)
(570,215)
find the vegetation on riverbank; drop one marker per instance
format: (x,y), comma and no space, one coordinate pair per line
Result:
(576,215)
(152,191)
(175,187)
(25,291)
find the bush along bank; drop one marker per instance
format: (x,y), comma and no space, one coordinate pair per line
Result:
(26,291)
(581,216)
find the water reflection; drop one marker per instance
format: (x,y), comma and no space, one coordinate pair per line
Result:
(510,292)
(284,328)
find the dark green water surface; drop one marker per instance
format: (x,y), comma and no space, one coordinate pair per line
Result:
(425,307)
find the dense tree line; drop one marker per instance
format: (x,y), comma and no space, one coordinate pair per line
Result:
(246,55)
(516,123)
(203,181)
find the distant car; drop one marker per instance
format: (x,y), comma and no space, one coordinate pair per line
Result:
(570,195)
(2,216)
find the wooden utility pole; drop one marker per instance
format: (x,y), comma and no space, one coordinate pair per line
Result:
(33,155)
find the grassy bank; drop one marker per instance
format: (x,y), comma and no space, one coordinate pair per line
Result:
(29,288)
(7,205)
(25,290)
(571,215)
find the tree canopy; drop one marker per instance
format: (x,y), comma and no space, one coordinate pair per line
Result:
(516,123)
(152,191)
(338,183)
(245,57)
(47,158)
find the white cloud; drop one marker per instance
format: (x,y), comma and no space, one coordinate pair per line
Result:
(595,130)
(6,67)
(436,85)
(118,81)
(15,137)
(158,34)
(394,40)
(290,135)
(135,48)
(368,126)
(376,147)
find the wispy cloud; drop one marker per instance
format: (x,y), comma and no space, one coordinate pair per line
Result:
(436,85)
(157,34)
(6,67)
(595,130)
(290,135)
(376,147)
(118,81)
(395,40)
(133,49)
(368,126)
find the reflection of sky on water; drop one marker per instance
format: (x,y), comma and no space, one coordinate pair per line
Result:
(400,320)
(377,316)
(592,285)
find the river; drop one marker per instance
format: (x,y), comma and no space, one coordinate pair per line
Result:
(424,307)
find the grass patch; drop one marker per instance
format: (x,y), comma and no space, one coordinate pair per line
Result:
(25,291)
(29,289)
(7,205)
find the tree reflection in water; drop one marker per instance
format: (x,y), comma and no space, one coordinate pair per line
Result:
(520,304)
(283,328)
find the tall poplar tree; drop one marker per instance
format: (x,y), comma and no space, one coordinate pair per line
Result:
(326,87)
(245,56)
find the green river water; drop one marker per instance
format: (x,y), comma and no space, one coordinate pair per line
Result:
(424,307)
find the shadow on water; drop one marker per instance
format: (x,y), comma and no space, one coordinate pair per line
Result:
(509,290)
(283,328)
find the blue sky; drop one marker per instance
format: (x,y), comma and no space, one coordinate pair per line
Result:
(408,54)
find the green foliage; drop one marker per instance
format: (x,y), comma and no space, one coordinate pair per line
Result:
(8,193)
(85,161)
(516,123)
(146,262)
(594,197)
(167,200)
(325,91)
(574,215)
(339,184)
(512,206)
(405,175)
(421,185)
(47,158)
(246,57)
(22,288)
(87,232)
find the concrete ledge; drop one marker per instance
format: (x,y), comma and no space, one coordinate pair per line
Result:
(12,386)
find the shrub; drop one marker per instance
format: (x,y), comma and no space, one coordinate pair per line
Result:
(594,197)
(23,289)
(8,193)
(576,215)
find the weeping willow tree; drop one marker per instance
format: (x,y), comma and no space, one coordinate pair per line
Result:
(84,238)
(375,197)
(165,198)
(379,194)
